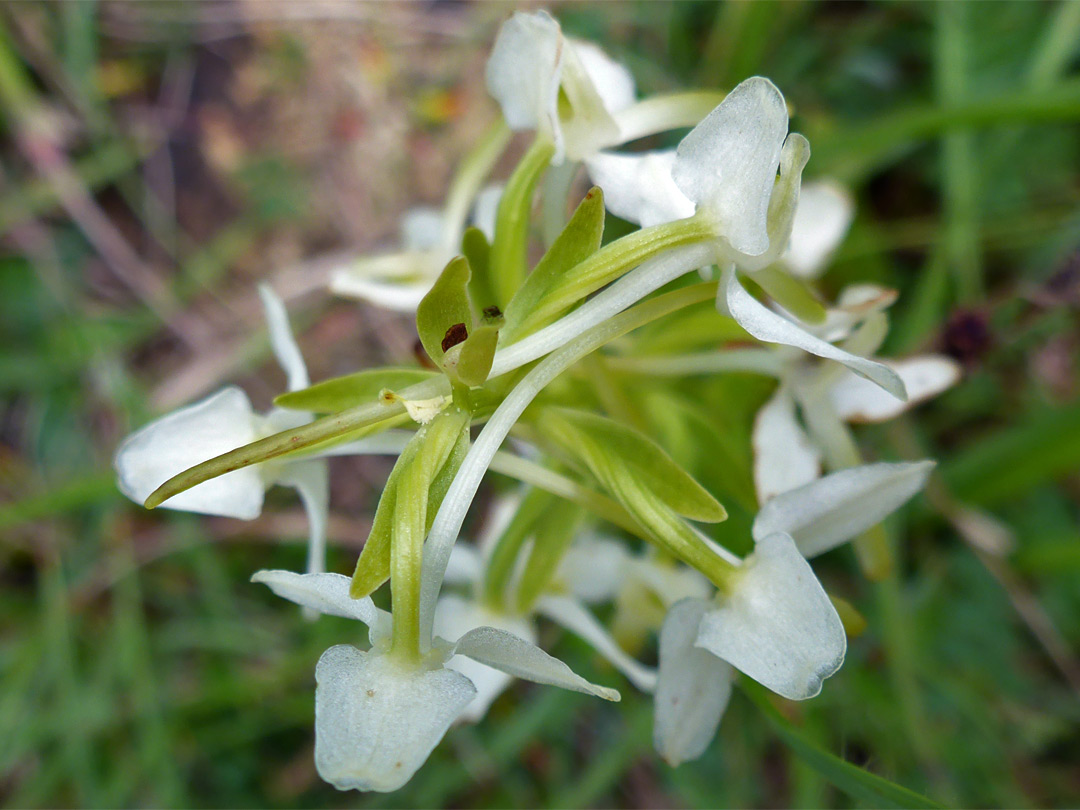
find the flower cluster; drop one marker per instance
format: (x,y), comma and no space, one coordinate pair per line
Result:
(594,360)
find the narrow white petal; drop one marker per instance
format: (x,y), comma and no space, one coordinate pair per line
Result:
(728,162)
(326,593)
(421,229)
(857,400)
(777,624)
(593,568)
(376,721)
(768,326)
(519,658)
(821,221)
(524,68)
(784,456)
(613,82)
(463,568)
(169,445)
(486,209)
(833,509)
(282,340)
(399,296)
(572,616)
(693,688)
(639,188)
(454,617)
(311,479)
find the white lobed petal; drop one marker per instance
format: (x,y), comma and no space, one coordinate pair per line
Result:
(768,326)
(693,688)
(519,658)
(777,624)
(857,400)
(639,188)
(524,69)
(821,221)
(325,593)
(376,720)
(282,340)
(613,82)
(169,445)
(833,509)
(456,616)
(784,456)
(728,162)
(569,614)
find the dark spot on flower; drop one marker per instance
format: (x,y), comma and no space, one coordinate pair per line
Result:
(454,335)
(492,312)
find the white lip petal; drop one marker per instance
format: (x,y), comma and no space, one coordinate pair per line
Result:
(784,456)
(325,593)
(376,721)
(728,162)
(639,188)
(613,82)
(519,658)
(572,616)
(833,509)
(282,341)
(768,326)
(454,617)
(524,68)
(821,221)
(169,445)
(693,688)
(857,400)
(777,624)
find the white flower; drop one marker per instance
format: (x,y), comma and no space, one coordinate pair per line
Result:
(378,716)
(218,424)
(821,221)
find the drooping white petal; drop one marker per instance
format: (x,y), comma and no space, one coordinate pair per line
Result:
(856,400)
(592,569)
(768,326)
(282,340)
(464,567)
(377,721)
(613,82)
(572,616)
(169,445)
(821,221)
(524,68)
(693,688)
(833,509)
(311,479)
(777,624)
(486,209)
(326,593)
(728,162)
(639,188)
(519,658)
(454,617)
(422,228)
(784,456)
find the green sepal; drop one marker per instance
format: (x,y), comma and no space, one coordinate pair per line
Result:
(500,567)
(578,241)
(475,247)
(638,457)
(445,306)
(339,393)
(554,535)
(477,352)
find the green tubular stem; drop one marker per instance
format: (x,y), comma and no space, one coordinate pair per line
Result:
(468,179)
(752,361)
(661,113)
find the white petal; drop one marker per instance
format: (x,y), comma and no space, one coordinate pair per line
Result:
(639,188)
(857,400)
(784,456)
(220,423)
(464,567)
(572,616)
(777,625)
(821,221)
(282,341)
(693,689)
(311,479)
(593,568)
(671,583)
(376,721)
(613,82)
(519,658)
(421,228)
(454,617)
(524,68)
(768,326)
(399,296)
(728,162)
(325,593)
(833,509)
(486,209)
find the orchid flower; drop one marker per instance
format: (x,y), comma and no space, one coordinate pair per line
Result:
(378,715)
(222,422)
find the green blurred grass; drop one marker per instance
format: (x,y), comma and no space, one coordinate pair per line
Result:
(137,666)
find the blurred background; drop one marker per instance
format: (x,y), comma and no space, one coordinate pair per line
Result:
(159,159)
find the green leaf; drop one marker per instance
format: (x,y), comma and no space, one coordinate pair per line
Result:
(577,242)
(867,787)
(340,393)
(445,307)
(475,247)
(554,534)
(639,457)
(500,567)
